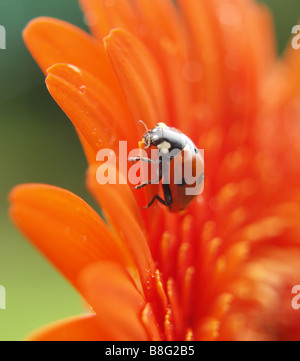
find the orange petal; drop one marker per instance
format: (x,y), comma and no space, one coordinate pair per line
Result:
(88,150)
(121,210)
(234,58)
(150,323)
(103,15)
(208,330)
(262,288)
(118,304)
(205,49)
(157,24)
(79,328)
(139,77)
(264,50)
(64,228)
(52,41)
(164,35)
(95,110)
(288,72)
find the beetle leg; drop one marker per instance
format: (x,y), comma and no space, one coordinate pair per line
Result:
(156,181)
(167,194)
(146,160)
(156,197)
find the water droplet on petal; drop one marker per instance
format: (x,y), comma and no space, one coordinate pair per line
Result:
(82,89)
(148,285)
(99,143)
(74,68)
(112,141)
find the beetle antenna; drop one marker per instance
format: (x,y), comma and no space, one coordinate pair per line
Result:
(144,124)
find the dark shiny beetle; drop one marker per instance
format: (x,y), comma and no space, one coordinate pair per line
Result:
(176,152)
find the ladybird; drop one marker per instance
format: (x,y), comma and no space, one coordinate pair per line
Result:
(176,151)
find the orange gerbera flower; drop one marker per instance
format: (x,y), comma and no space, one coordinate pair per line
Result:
(223,270)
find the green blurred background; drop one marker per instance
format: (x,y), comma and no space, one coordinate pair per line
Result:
(38,144)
